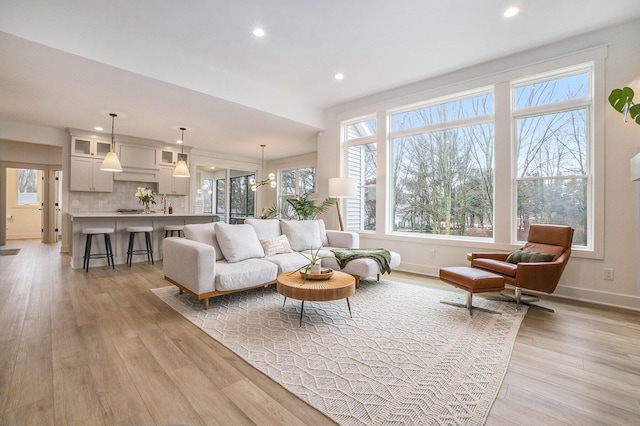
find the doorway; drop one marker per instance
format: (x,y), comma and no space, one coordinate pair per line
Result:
(33,204)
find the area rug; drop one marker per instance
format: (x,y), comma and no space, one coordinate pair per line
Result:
(9,252)
(404,358)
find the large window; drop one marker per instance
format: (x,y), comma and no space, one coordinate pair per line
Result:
(359,138)
(552,116)
(442,167)
(241,197)
(294,183)
(27,190)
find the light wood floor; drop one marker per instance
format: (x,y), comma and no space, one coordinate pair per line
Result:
(95,348)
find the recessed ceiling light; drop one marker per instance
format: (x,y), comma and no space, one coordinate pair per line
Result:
(98,129)
(339,76)
(178,141)
(258,32)
(512,11)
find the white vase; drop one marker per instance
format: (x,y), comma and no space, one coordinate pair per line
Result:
(315,269)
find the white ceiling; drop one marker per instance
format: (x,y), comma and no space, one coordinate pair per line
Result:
(162,64)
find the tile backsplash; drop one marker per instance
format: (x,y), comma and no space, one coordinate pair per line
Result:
(122,197)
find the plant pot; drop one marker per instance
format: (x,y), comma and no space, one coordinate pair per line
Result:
(317,268)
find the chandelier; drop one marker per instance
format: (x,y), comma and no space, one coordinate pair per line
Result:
(271,179)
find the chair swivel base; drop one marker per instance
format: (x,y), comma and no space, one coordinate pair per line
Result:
(469,305)
(516,298)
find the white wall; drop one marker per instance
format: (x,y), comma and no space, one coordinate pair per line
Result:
(583,278)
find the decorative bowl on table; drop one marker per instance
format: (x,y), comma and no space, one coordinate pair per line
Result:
(325,274)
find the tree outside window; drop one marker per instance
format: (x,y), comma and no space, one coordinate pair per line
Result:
(294,183)
(442,168)
(552,143)
(27,187)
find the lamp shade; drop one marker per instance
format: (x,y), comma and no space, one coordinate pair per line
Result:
(343,187)
(181,170)
(111,163)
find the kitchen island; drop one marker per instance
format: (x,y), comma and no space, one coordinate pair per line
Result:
(120,238)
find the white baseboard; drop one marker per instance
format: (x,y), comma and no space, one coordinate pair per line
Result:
(563,292)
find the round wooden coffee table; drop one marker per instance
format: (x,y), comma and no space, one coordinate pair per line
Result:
(339,286)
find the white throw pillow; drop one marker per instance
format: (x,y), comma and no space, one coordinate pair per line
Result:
(204,233)
(238,242)
(323,233)
(302,234)
(265,228)
(276,245)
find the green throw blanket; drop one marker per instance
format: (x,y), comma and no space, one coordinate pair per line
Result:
(381,256)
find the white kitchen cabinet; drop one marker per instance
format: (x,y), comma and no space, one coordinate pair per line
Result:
(86,175)
(91,148)
(139,162)
(167,184)
(170,157)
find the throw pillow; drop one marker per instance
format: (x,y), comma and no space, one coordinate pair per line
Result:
(204,233)
(265,228)
(522,256)
(238,242)
(276,245)
(302,234)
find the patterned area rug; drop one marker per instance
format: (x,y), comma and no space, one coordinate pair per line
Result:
(404,358)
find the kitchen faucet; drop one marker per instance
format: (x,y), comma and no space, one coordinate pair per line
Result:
(164,203)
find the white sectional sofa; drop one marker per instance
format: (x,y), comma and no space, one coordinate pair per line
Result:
(218,258)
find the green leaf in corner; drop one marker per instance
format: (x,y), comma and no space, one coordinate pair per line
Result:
(620,99)
(634,112)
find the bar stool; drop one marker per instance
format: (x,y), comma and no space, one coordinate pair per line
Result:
(172,229)
(90,232)
(133,230)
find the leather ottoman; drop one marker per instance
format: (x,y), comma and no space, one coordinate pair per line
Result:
(472,281)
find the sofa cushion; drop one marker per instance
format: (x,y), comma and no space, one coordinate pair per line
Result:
(238,242)
(287,261)
(523,256)
(265,228)
(276,245)
(302,234)
(239,275)
(323,232)
(204,233)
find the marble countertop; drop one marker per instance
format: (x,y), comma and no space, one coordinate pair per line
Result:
(89,215)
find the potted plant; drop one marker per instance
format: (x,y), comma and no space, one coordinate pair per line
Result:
(314,266)
(300,208)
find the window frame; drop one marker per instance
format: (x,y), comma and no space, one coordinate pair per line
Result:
(434,128)
(500,77)
(587,104)
(361,186)
(39,189)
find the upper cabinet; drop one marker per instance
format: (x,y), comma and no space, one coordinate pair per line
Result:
(170,157)
(142,160)
(86,147)
(138,162)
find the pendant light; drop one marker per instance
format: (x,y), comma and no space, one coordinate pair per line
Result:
(181,169)
(271,180)
(111,162)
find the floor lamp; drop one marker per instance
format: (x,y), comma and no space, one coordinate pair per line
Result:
(342,187)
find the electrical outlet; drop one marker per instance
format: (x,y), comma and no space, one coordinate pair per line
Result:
(608,274)
(432,254)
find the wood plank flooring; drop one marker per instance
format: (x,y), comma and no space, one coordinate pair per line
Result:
(96,348)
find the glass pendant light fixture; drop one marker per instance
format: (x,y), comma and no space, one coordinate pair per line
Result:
(181,169)
(111,162)
(271,179)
